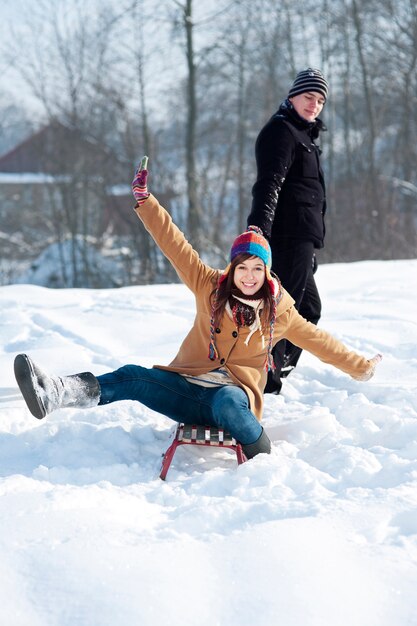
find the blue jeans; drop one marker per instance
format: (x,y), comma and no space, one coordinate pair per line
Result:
(172,395)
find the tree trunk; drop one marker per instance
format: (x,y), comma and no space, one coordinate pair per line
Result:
(194,211)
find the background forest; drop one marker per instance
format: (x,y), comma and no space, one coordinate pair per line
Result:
(92,86)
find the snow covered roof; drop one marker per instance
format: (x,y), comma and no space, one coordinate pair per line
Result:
(30,178)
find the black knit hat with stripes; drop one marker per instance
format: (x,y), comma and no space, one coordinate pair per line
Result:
(309,80)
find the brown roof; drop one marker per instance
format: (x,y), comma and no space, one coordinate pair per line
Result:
(49,150)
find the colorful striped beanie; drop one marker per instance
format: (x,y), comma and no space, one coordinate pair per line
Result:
(252,242)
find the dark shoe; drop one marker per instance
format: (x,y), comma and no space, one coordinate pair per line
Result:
(260,446)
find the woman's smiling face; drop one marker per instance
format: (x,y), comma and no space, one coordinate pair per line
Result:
(249,275)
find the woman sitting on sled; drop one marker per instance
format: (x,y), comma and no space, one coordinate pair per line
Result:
(219,374)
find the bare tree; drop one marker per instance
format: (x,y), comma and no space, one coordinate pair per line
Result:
(198,114)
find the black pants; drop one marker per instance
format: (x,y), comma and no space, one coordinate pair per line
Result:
(292,261)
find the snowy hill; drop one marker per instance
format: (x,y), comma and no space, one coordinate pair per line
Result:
(323,532)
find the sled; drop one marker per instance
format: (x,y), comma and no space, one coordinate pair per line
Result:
(197,435)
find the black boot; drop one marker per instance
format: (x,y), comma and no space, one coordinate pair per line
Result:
(261,445)
(44,393)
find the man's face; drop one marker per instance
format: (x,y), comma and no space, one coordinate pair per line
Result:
(308,105)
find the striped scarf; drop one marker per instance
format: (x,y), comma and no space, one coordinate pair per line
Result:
(245,311)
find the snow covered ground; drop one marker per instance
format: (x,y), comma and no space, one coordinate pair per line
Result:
(323,532)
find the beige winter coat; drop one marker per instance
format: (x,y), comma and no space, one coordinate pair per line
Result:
(245,363)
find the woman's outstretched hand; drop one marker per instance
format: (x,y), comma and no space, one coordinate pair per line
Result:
(140,182)
(371,371)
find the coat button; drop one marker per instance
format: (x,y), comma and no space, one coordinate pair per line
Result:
(222,361)
(218,330)
(234,333)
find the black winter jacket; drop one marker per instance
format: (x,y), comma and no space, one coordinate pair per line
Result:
(289,197)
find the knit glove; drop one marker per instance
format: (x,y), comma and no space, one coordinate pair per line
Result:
(371,370)
(139,183)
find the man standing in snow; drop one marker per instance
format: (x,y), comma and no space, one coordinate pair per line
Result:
(289,202)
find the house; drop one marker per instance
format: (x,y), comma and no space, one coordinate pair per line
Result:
(58,156)
(56,184)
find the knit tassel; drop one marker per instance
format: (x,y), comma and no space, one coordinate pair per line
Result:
(212,353)
(269,362)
